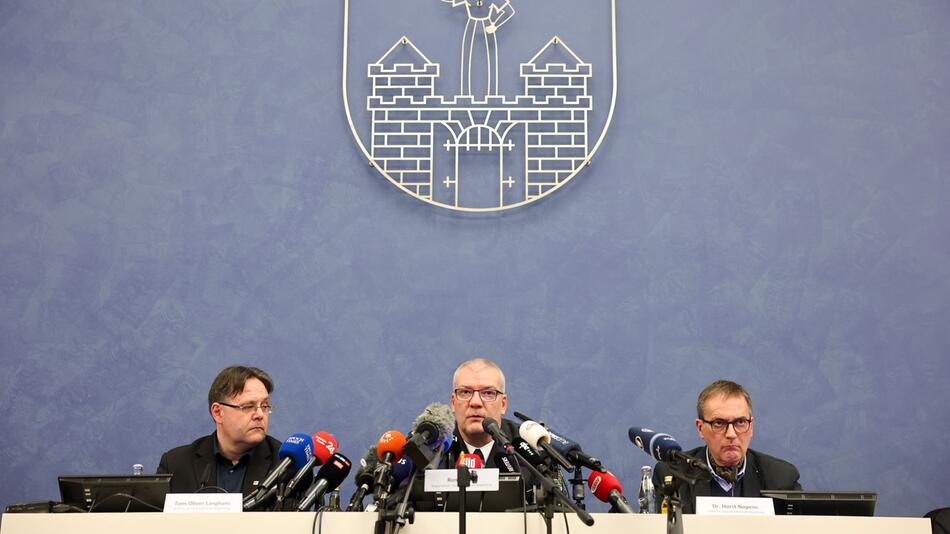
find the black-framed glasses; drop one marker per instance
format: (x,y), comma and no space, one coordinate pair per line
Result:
(719,426)
(250,407)
(487,395)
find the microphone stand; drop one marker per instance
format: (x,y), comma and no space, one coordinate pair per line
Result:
(465,479)
(578,484)
(396,518)
(682,472)
(403,512)
(674,509)
(552,495)
(278,504)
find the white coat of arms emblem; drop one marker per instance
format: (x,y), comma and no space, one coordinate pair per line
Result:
(463,141)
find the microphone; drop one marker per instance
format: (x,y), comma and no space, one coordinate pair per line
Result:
(471,461)
(570,449)
(363,479)
(663,447)
(296,451)
(538,437)
(388,450)
(429,431)
(490,426)
(439,452)
(401,471)
(324,445)
(205,478)
(389,447)
(329,476)
(505,463)
(607,488)
(530,454)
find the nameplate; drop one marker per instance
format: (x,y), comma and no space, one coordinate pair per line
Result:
(734,506)
(448,480)
(203,502)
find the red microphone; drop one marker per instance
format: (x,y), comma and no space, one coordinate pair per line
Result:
(472,461)
(606,487)
(324,445)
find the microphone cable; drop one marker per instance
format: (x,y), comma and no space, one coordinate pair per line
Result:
(131,498)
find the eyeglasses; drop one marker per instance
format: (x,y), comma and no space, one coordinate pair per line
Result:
(487,395)
(719,426)
(250,407)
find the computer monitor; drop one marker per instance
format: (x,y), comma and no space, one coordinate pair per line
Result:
(510,496)
(796,502)
(115,493)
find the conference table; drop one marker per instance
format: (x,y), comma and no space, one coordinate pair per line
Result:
(445,523)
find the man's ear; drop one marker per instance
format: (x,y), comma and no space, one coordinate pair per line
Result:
(216,413)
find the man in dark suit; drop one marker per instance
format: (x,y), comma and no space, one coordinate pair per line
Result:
(478,392)
(237,456)
(724,421)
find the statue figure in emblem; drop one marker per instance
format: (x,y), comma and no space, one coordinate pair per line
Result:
(480,44)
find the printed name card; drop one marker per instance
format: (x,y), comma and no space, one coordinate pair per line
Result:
(448,480)
(203,503)
(734,506)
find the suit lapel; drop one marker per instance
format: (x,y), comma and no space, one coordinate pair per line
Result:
(752,481)
(261,462)
(203,463)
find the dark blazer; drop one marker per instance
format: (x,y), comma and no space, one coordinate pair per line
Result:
(763,472)
(193,466)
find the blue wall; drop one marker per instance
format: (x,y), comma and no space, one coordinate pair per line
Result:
(180,191)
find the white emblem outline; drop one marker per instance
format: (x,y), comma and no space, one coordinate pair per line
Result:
(581,163)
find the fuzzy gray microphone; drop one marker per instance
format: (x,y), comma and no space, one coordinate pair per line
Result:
(434,425)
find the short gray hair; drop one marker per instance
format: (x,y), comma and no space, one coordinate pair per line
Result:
(476,362)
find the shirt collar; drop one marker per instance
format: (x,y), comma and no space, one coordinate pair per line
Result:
(486,449)
(723,483)
(244,459)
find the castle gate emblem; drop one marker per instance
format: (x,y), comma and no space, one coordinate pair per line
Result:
(462,143)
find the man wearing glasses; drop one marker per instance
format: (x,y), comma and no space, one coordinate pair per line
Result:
(724,421)
(478,392)
(239,453)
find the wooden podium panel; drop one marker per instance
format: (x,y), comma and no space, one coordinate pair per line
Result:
(444,523)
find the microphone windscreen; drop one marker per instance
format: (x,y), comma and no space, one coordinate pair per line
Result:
(438,417)
(401,470)
(562,444)
(528,452)
(368,463)
(472,461)
(534,433)
(659,445)
(489,425)
(391,441)
(601,484)
(324,445)
(335,470)
(299,448)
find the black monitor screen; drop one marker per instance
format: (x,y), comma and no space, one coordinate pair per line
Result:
(823,502)
(115,493)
